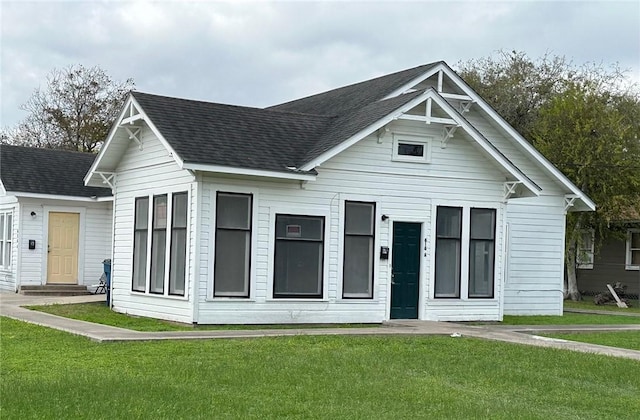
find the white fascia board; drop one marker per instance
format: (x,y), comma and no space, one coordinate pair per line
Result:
(61,197)
(364,133)
(115,127)
(537,156)
(249,172)
(484,143)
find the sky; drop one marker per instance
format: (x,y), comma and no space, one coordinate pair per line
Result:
(263,53)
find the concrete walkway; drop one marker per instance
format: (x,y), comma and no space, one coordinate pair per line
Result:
(11,306)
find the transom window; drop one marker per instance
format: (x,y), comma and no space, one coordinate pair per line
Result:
(299,255)
(633,250)
(160,225)
(359,228)
(233,245)
(411,148)
(479,239)
(6,228)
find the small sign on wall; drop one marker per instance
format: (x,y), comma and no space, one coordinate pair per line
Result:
(32,244)
(294,231)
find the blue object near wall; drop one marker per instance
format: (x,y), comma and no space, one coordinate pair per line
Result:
(107,272)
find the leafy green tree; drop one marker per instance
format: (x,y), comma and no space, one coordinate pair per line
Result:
(585,120)
(74,111)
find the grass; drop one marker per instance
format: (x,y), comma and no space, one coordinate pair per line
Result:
(570,318)
(587,303)
(99,313)
(622,339)
(50,374)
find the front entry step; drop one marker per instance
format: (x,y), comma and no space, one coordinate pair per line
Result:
(55,290)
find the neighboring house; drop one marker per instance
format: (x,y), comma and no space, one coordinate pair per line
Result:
(53,229)
(617,259)
(405,196)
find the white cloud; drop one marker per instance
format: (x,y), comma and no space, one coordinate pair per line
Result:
(261,53)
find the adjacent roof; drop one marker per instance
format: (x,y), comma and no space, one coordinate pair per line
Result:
(46,171)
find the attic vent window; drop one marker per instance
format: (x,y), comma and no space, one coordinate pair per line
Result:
(411,149)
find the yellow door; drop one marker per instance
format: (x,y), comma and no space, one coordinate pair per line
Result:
(62,261)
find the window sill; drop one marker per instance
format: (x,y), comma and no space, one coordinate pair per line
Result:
(585,267)
(155,295)
(632,267)
(229,299)
(297,300)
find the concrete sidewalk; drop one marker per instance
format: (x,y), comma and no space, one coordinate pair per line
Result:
(11,306)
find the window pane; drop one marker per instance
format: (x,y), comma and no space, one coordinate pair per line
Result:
(299,227)
(139,260)
(233,211)
(359,218)
(298,269)
(635,257)
(447,268)
(179,212)
(448,222)
(408,149)
(1,227)
(9,226)
(160,212)
(481,259)
(178,261)
(142,213)
(483,223)
(635,240)
(232,263)
(358,266)
(158,247)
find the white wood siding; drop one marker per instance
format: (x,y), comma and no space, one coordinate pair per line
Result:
(536,257)
(94,240)
(8,276)
(140,173)
(458,175)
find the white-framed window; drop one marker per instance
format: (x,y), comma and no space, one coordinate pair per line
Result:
(233,245)
(585,249)
(6,228)
(633,250)
(407,148)
(299,256)
(160,244)
(461,230)
(359,235)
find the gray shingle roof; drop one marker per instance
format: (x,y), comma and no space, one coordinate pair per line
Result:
(275,138)
(47,171)
(341,100)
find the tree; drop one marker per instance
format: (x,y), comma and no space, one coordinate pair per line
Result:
(75,111)
(586,122)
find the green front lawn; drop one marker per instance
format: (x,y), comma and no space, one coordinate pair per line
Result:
(99,313)
(570,318)
(51,374)
(622,339)
(587,303)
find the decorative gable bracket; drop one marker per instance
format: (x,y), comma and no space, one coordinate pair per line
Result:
(108,178)
(449,131)
(135,135)
(510,188)
(133,115)
(569,201)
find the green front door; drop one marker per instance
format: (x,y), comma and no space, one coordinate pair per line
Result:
(406,270)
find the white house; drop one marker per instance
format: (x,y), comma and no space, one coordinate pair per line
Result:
(53,229)
(404,196)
